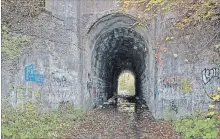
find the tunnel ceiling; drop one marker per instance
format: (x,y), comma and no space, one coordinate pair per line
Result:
(117,50)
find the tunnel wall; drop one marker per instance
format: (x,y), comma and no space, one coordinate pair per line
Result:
(62,48)
(50,62)
(184,85)
(183,80)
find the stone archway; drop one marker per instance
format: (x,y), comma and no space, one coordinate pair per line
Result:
(116,46)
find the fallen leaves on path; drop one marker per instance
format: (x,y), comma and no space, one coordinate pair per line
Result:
(109,123)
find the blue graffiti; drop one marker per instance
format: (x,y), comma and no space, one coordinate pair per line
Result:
(31,75)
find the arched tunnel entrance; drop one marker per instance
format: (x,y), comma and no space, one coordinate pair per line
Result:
(116,46)
(117,50)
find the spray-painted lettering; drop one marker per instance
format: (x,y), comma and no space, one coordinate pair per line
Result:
(209,74)
(31,75)
(170,82)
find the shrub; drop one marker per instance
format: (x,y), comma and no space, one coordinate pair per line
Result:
(198,127)
(28,122)
(12,45)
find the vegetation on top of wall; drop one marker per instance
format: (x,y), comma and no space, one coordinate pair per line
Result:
(182,20)
(188,10)
(21,8)
(14,12)
(12,45)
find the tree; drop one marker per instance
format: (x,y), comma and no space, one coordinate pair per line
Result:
(193,19)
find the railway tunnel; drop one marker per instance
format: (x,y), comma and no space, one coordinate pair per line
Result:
(118,47)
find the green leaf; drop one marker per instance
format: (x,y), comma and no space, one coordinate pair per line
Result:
(5,131)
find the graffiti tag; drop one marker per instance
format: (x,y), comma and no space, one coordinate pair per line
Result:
(90,84)
(32,76)
(209,74)
(60,81)
(170,82)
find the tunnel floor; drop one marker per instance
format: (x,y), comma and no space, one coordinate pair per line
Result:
(126,120)
(128,103)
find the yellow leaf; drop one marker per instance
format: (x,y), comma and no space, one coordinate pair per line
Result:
(217,97)
(211,113)
(185,20)
(211,106)
(164,9)
(218,89)
(207,4)
(175,55)
(167,38)
(162,3)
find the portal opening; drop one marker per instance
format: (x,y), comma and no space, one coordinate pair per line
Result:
(117,47)
(118,50)
(126,84)
(120,65)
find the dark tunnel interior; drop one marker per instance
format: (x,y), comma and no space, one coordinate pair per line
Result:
(115,51)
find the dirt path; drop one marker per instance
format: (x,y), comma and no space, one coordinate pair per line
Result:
(110,123)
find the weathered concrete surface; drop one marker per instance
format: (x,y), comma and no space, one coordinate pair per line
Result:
(81,47)
(54,52)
